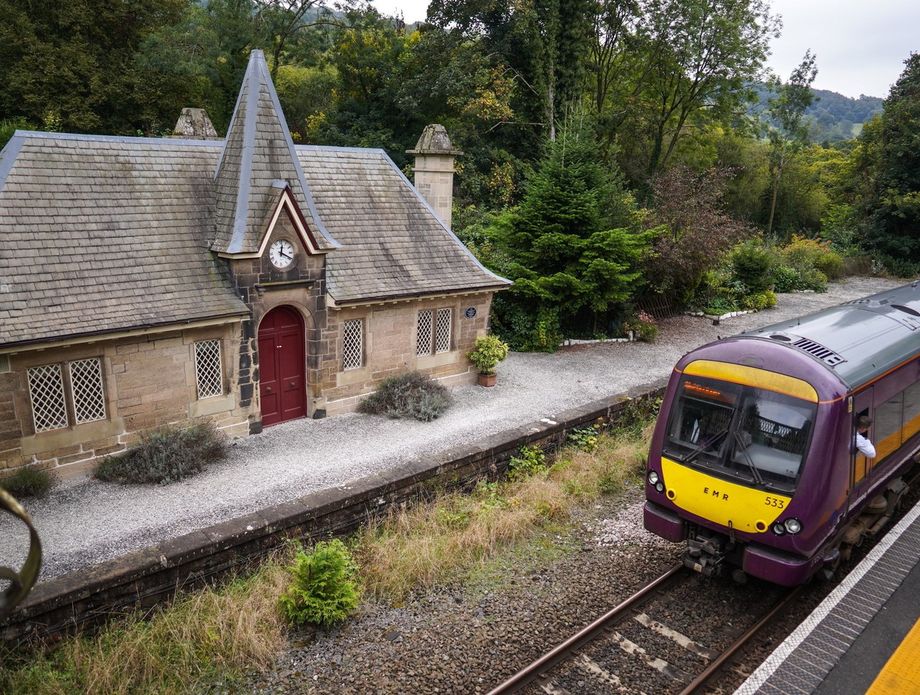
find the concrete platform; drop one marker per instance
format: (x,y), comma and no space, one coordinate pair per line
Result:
(850,643)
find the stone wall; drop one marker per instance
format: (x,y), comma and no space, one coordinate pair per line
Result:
(391,334)
(149,381)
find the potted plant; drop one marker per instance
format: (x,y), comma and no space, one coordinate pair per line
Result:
(487,352)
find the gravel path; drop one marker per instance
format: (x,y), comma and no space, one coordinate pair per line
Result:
(88,522)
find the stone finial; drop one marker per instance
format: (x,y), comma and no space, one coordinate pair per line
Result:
(195,124)
(434,140)
(434,170)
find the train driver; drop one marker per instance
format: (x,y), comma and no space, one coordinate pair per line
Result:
(863,445)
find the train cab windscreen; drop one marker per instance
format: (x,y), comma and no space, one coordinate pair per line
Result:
(754,436)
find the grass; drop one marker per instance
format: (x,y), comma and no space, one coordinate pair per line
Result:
(216,635)
(420,546)
(28,482)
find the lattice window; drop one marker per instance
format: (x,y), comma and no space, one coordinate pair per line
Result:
(209,371)
(88,392)
(442,334)
(46,389)
(352,344)
(423,344)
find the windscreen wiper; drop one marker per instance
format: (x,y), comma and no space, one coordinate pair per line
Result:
(742,449)
(704,446)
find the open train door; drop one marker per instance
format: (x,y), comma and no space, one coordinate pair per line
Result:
(860,480)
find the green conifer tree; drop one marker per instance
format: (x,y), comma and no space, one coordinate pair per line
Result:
(571,247)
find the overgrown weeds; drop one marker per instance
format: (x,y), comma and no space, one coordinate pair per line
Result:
(28,482)
(408,395)
(166,455)
(419,546)
(208,635)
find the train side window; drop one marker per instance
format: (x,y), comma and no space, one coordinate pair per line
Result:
(912,410)
(888,420)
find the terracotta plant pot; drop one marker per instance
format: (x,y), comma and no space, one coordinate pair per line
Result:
(487,379)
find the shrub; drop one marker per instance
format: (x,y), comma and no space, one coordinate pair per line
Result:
(806,255)
(643,327)
(487,352)
(759,301)
(408,395)
(785,278)
(166,455)
(323,590)
(524,329)
(751,264)
(530,460)
(899,267)
(28,482)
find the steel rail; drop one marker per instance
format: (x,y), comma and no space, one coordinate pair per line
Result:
(741,641)
(561,651)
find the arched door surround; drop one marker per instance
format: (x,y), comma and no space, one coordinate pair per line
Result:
(282,366)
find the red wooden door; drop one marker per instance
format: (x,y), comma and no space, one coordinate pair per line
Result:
(282,378)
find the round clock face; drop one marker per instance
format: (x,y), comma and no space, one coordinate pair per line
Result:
(281,253)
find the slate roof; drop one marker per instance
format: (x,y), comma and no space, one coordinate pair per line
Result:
(258,152)
(101,234)
(393,243)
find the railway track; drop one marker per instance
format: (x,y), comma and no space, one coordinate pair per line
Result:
(653,642)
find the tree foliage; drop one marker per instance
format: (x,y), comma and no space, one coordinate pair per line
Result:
(571,246)
(787,110)
(891,156)
(693,230)
(568,113)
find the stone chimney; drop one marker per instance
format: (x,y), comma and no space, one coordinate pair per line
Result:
(194,124)
(434,169)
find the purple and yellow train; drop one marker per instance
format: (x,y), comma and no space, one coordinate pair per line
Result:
(753,460)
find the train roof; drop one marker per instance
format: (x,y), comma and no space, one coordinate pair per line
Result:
(858,340)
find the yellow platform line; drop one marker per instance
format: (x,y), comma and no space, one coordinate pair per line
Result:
(901,674)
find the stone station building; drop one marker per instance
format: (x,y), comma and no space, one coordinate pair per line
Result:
(244,280)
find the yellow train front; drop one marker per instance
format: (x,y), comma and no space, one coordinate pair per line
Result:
(753,461)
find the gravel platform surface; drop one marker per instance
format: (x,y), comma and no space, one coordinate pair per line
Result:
(86,522)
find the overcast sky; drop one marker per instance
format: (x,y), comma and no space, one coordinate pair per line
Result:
(861,44)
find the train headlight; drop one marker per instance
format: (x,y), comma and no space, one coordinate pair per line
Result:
(659,486)
(653,478)
(778,528)
(793,526)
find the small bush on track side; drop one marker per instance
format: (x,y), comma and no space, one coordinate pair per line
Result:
(323,590)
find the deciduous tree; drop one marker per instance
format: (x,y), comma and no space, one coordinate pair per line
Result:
(788,131)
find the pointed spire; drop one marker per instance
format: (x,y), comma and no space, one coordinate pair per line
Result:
(258,152)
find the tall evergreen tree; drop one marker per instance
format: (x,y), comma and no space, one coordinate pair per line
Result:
(571,247)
